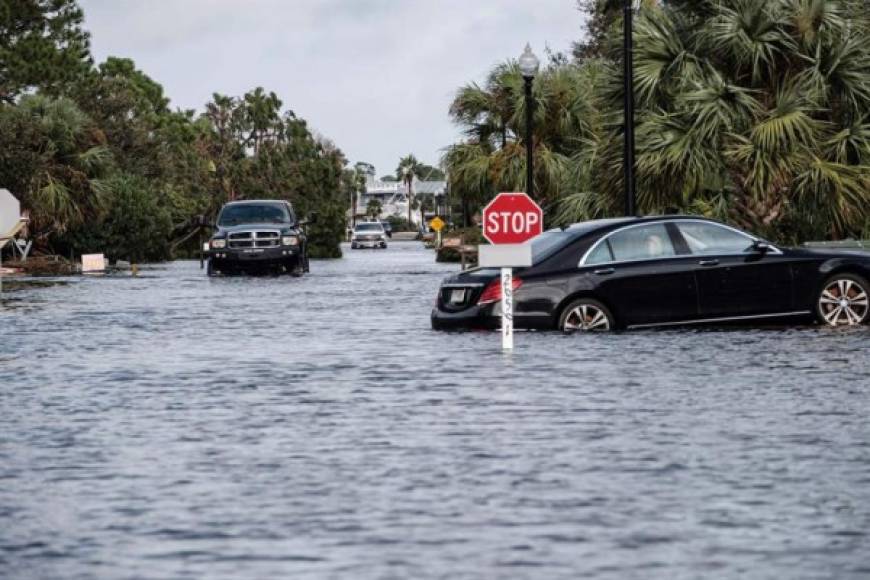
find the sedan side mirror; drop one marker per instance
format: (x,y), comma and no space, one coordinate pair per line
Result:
(760,247)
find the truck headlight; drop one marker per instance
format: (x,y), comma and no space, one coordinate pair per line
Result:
(218,244)
(290,240)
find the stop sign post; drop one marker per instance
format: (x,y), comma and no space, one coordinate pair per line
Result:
(509,221)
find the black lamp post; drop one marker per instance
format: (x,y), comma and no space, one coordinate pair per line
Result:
(529,64)
(628,82)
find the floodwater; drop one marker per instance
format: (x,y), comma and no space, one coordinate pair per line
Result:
(173,426)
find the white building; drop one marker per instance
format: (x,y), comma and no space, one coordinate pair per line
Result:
(393,197)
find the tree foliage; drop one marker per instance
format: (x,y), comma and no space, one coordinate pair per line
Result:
(492,158)
(56,159)
(42,45)
(751,111)
(102,162)
(601,18)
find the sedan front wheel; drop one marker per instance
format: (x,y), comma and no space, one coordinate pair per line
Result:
(844,301)
(587,315)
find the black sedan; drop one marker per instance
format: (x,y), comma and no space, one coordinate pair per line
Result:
(658,271)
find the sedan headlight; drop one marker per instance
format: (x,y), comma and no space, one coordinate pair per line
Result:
(218,244)
(290,240)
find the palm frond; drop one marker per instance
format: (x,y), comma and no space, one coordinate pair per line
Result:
(750,34)
(837,191)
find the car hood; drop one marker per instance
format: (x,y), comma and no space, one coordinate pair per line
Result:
(285,228)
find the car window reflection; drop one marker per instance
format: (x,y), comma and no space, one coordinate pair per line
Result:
(641,243)
(704,239)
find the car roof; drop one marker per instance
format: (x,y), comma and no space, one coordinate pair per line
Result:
(253,201)
(588,227)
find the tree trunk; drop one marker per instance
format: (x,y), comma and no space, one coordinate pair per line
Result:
(408,183)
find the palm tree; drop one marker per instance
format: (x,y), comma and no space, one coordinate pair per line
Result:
(66,163)
(751,111)
(492,157)
(373,209)
(409,168)
(486,112)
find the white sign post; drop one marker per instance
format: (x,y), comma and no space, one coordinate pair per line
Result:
(509,221)
(507,308)
(507,257)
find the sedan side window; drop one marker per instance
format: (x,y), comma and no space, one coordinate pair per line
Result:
(642,243)
(601,254)
(705,238)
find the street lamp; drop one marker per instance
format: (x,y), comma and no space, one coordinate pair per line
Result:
(628,119)
(529,64)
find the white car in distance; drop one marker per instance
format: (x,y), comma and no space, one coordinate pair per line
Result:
(368,235)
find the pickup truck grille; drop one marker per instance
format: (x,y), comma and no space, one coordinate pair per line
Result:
(254,239)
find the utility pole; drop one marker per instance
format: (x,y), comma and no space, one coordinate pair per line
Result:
(628,87)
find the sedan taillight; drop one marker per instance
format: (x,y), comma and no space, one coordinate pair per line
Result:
(492,292)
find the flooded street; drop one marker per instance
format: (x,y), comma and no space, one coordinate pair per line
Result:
(176,426)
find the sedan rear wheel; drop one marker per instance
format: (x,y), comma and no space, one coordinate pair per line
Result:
(586,315)
(844,301)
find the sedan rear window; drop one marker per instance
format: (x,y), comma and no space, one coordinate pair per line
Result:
(548,243)
(601,254)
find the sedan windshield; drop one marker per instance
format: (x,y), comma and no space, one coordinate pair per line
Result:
(253,214)
(369,228)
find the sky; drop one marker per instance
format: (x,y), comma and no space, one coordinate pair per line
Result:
(374,76)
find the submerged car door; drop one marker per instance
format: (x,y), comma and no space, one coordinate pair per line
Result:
(640,274)
(733,280)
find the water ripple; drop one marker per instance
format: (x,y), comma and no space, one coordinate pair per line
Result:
(173,426)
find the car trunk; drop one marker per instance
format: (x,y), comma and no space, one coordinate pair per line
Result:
(463,290)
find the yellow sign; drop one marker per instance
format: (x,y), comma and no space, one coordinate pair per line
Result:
(437,224)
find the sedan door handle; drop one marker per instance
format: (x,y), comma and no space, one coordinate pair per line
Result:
(709,262)
(605,271)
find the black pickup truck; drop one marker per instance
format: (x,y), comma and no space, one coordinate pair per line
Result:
(258,236)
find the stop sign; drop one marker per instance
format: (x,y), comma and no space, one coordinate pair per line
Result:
(512,218)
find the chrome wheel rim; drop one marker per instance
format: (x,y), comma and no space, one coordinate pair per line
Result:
(844,303)
(588,318)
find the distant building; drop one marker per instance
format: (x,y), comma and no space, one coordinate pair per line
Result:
(393,197)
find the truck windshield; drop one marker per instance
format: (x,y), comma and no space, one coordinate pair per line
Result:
(253,214)
(369,227)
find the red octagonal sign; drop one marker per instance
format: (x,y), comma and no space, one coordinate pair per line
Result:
(512,218)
